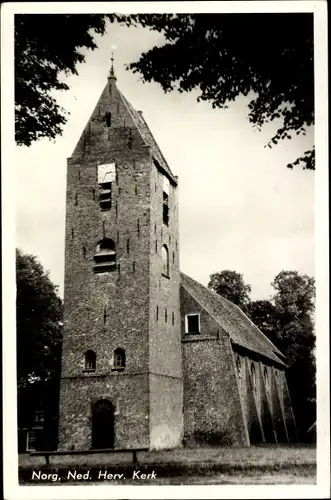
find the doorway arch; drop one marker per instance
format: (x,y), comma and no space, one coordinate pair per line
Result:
(103,428)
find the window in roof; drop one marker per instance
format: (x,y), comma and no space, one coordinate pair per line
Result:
(105,256)
(192,323)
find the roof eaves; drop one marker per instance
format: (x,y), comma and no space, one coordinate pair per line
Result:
(275,358)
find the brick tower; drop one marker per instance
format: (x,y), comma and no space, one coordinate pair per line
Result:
(121,380)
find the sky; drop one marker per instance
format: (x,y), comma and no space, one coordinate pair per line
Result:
(240,208)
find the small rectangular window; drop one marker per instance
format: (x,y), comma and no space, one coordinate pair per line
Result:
(39,416)
(31,441)
(192,323)
(166,185)
(106,176)
(166,191)
(165,209)
(105,196)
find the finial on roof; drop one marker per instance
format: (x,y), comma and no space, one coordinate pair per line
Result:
(112,72)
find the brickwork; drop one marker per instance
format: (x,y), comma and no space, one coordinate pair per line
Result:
(212,409)
(113,310)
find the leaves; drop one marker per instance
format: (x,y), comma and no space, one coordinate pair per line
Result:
(39,321)
(47,46)
(230,285)
(226,55)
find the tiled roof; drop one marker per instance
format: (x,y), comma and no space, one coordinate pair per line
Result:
(147,136)
(231,318)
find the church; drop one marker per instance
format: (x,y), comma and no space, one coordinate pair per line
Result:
(151,358)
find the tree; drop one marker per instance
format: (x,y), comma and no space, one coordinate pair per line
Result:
(46,47)
(295,300)
(295,293)
(267,56)
(287,322)
(39,339)
(231,285)
(39,320)
(264,315)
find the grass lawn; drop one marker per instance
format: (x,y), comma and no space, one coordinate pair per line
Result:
(267,464)
(262,455)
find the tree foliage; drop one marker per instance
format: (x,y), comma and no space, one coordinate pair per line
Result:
(268,56)
(264,315)
(230,285)
(39,340)
(220,55)
(286,320)
(295,299)
(39,321)
(47,46)
(295,293)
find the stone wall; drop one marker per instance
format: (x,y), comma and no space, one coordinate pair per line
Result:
(212,408)
(117,309)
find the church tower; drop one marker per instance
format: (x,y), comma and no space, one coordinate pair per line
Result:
(121,379)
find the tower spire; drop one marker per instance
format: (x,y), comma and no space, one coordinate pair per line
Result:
(112,72)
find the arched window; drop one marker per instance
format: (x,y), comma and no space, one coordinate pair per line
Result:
(239,368)
(253,373)
(119,358)
(90,360)
(105,256)
(165,261)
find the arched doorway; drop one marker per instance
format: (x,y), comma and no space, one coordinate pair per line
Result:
(103,425)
